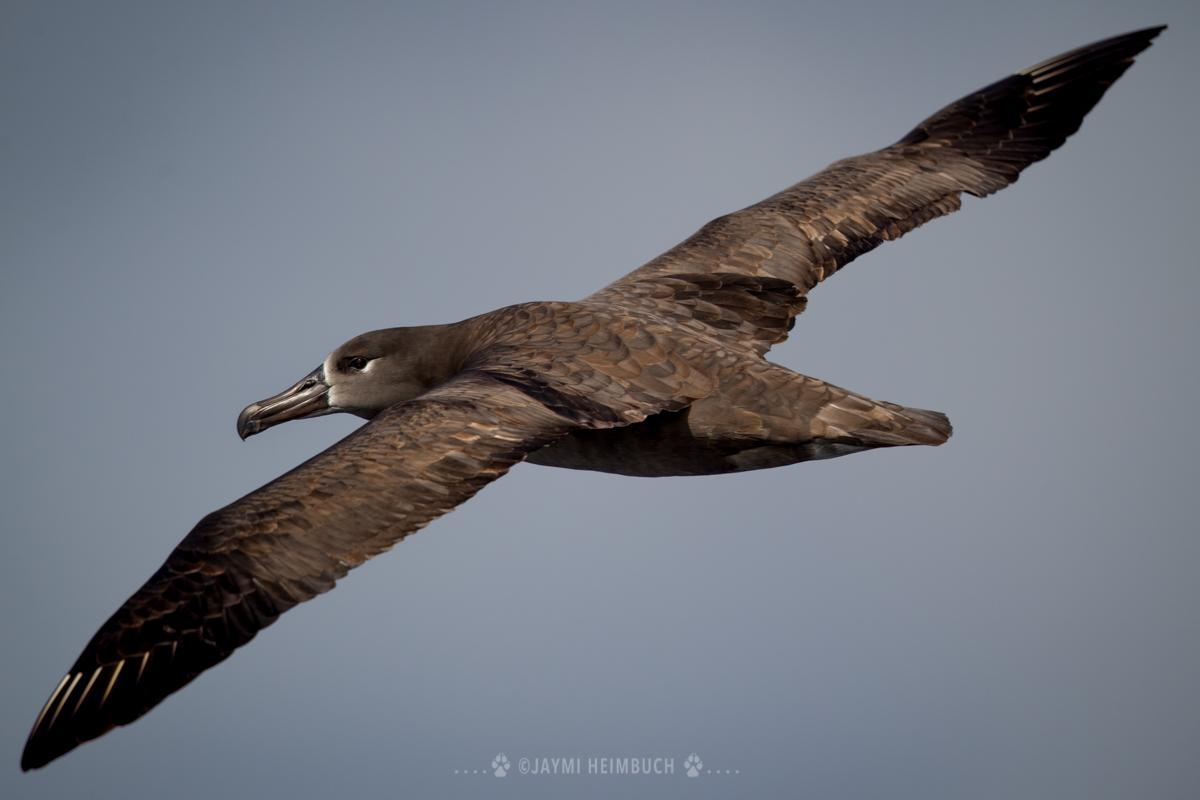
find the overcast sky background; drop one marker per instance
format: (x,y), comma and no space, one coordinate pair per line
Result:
(199,200)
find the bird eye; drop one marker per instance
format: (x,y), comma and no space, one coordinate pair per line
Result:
(357,363)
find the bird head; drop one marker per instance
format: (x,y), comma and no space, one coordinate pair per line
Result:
(364,376)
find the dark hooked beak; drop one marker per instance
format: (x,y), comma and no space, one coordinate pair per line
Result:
(308,397)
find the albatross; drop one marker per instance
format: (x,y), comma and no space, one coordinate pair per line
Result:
(660,373)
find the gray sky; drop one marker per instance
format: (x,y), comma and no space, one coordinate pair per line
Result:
(199,201)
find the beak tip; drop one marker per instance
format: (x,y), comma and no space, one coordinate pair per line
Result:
(308,397)
(247,427)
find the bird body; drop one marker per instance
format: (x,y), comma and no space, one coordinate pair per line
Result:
(660,373)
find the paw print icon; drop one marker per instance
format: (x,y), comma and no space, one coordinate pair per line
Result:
(500,765)
(693,765)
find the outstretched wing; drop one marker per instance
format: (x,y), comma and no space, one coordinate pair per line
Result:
(244,565)
(802,235)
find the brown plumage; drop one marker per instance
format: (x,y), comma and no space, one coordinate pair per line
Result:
(659,373)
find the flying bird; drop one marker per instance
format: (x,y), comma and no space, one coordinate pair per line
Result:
(659,373)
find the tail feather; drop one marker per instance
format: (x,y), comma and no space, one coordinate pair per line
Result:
(875,423)
(913,426)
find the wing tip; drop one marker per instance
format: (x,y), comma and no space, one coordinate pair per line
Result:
(35,758)
(46,742)
(40,751)
(1122,47)
(70,718)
